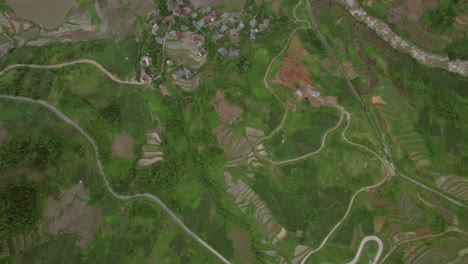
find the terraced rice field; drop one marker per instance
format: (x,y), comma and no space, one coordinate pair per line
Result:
(457,186)
(449,250)
(406,215)
(14,245)
(250,203)
(296,49)
(71,215)
(239,148)
(151,151)
(399,121)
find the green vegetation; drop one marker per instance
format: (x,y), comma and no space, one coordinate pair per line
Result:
(303,132)
(19,211)
(458,49)
(443,17)
(41,156)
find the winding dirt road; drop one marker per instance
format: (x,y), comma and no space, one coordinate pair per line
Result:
(104,177)
(64,64)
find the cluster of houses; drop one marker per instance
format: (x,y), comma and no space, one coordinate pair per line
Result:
(202,23)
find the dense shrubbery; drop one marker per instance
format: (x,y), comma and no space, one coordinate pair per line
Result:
(18,209)
(38,151)
(458,49)
(443,17)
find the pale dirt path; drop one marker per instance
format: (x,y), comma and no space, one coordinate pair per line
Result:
(363,243)
(64,64)
(104,177)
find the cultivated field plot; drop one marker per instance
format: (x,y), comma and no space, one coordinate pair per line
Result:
(122,147)
(227,112)
(251,204)
(70,214)
(409,145)
(449,249)
(239,148)
(151,151)
(302,132)
(457,186)
(186,50)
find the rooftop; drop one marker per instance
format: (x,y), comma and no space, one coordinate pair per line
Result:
(223,51)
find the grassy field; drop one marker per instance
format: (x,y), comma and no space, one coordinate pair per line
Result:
(302,132)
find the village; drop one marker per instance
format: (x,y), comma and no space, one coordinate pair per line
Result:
(184,35)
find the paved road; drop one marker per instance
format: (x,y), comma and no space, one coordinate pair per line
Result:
(361,246)
(104,177)
(371,121)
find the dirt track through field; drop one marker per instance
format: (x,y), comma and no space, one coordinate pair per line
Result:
(64,64)
(104,176)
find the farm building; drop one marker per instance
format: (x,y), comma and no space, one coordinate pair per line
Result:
(201,23)
(223,51)
(207,19)
(159,40)
(201,52)
(195,38)
(253,22)
(180,35)
(181,73)
(217,13)
(145,61)
(223,28)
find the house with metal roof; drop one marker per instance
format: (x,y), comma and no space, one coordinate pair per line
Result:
(223,28)
(223,51)
(226,15)
(201,23)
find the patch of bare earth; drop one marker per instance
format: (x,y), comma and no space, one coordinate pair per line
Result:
(379,221)
(412,9)
(348,67)
(276,6)
(164,90)
(3,132)
(70,214)
(296,49)
(241,244)
(227,112)
(151,151)
(122,147)
(378,100)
